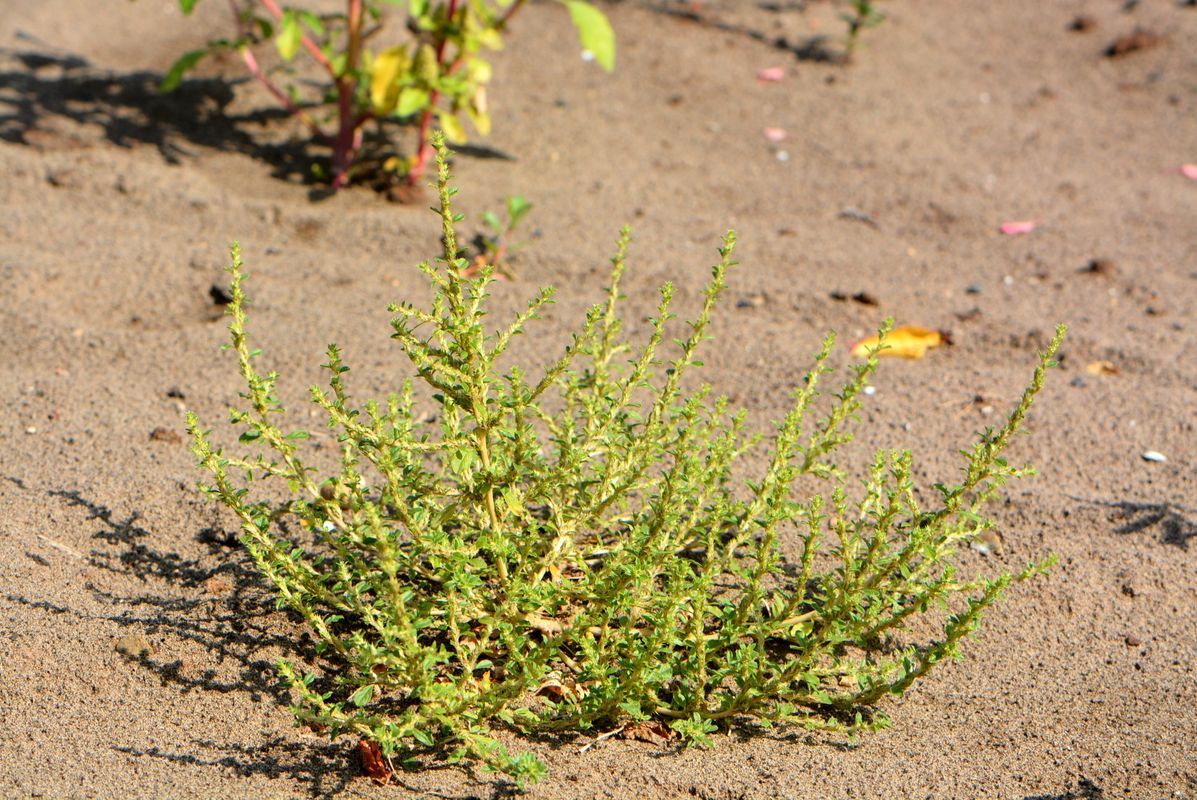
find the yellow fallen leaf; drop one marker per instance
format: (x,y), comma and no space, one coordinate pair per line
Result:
(1102,368)
(905,341)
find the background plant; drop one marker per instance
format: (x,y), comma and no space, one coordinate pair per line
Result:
(861,14)
(578,550)
(495,242)
(438,75)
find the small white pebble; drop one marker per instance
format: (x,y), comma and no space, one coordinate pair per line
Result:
(783,155)
(870,390)
(587,55)
(328,527)
(1008,280)
(1152,455)
(31,430)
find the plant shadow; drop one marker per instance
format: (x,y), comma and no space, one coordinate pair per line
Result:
(235,619)
(1085,790)
(817,49)
(38,88)
(1176,524)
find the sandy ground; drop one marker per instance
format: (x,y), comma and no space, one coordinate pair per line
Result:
(117,207)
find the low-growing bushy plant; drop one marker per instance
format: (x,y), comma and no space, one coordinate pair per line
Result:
(576,550)
(439,75)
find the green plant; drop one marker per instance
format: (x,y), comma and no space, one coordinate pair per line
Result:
(862,14)
(439,74)
(495,243)
(579,550)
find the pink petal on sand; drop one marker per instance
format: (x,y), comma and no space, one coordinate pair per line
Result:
(775,134)
(771,74)
(1018,227)
(1189,171)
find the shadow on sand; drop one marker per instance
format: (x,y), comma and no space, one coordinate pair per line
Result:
(40,85)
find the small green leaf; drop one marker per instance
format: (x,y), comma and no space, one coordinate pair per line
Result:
(313,22)
(594,32)
(174,75)
(290,36)
(187,5)
(412,100)
(363,696)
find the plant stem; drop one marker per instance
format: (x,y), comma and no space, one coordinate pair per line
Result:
(256,70)
(423,143)
(349,133)
(484,451)
(259,74)
(508,14)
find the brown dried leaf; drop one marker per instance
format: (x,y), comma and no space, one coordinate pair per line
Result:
(545,626)
(1102,368)
(651,731)
(373,763)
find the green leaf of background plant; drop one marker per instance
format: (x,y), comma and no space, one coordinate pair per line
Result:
(290,35)
(174,75)
(411,100)
(594,31)
(187,5)
(452,127)
(313,22)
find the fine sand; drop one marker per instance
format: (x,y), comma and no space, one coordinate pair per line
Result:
(136,646)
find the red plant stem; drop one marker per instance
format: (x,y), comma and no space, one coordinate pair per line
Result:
(256,70)
(508,14)
(423,143)
(349,135)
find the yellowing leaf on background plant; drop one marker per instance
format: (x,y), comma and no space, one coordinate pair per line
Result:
(594,31)
(905,341)
(384,79)
(451,126)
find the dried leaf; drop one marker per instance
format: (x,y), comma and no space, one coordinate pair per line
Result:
(1018,227)
(651,731)
(559,689)
(905,341)
(373,763)
(1102,368)
(987,542)
(545,626)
